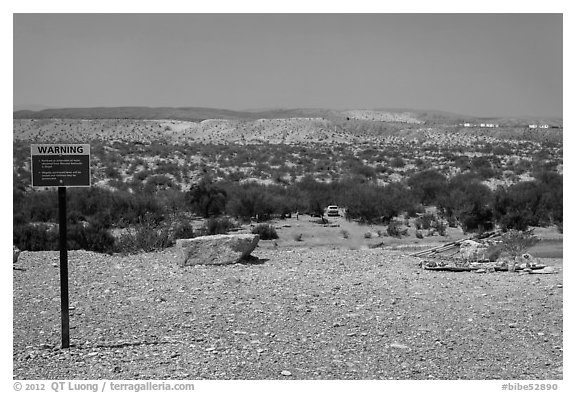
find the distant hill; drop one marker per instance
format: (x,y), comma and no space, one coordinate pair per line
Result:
(185,114)
(198,114)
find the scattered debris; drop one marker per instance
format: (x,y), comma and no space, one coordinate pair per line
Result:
(468,255)
(456,244)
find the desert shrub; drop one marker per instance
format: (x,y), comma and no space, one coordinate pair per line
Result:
(483,167)
(19,219)
(91,236)
(207,199)
(418,223)
(515,243)
(393,229)
(428,220)
(370,204)
(218,226)
(172,201)
(246,203)
(266,232)
(478,219)
(345,234)
(158,182)
(38,206)
(452,221)
(35,237)
(419,234)
(462,162)
(440,226)
(397,162)
(363,170)
(533,203)
(470,202)
(252,199)
(144,237)
(236,176)
(183,230)
(519,221)
(119,208)
(522,166)
(141,175)
(428,186)
(559,227)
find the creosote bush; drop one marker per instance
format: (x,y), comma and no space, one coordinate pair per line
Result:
(516,243)
(393,229)
(266,232)
(440,226)
(183,230)
(218,226)
(146,236)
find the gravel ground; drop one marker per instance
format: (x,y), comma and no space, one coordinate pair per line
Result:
(291,313)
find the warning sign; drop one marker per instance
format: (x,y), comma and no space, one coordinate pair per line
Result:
(63,165)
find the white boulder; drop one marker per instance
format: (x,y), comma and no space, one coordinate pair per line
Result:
(216,249)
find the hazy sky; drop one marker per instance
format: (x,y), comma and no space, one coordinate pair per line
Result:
(477,64)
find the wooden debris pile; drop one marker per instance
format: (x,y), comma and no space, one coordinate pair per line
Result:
(453,248)
(469,255)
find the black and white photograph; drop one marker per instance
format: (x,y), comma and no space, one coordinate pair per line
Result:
(315,196)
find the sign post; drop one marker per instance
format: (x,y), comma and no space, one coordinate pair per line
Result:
(61,166)
(64,299)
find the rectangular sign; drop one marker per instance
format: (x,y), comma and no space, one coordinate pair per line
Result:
(60,165)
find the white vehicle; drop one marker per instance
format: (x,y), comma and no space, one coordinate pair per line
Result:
(332,210)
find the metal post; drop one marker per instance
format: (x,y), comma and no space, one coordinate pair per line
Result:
(63,269)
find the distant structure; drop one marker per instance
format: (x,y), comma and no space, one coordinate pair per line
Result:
(481,125)
(494,125)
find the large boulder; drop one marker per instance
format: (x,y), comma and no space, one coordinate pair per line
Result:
(216,249)
(473,251)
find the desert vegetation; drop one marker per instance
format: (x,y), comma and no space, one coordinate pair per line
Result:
(151,177)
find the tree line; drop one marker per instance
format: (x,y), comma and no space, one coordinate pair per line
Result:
(461,200)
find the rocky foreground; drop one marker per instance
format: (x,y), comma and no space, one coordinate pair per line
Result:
(286,314)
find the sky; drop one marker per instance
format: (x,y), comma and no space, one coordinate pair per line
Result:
(471,64)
